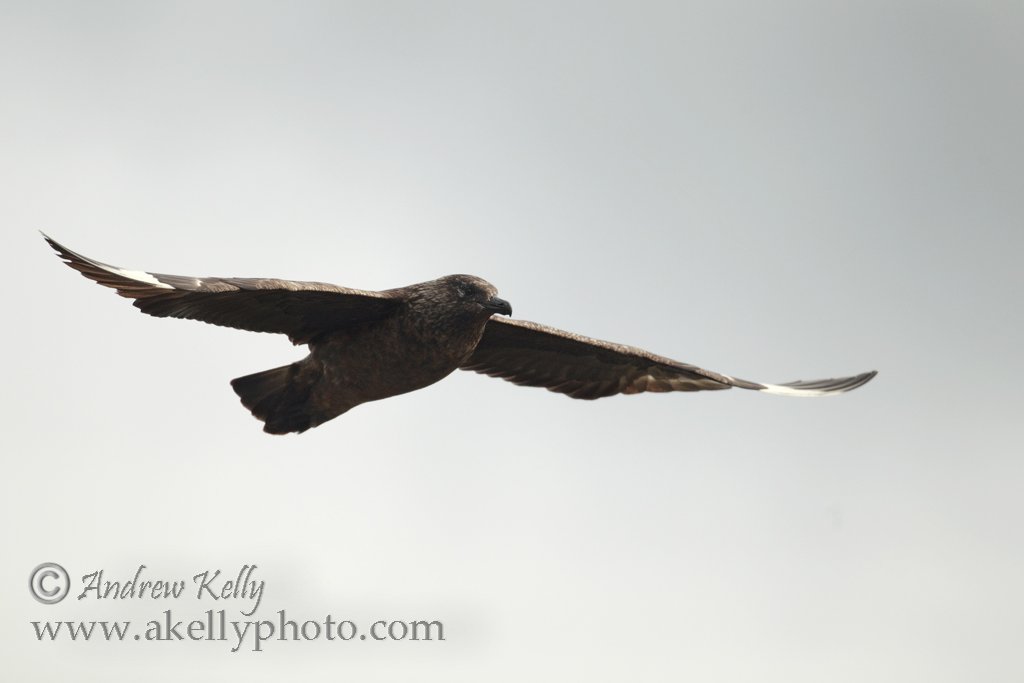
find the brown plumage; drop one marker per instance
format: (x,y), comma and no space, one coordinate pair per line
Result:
(366,345)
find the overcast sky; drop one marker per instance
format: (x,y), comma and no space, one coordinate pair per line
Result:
(775,191)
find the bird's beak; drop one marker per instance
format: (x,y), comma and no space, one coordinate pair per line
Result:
(498,306)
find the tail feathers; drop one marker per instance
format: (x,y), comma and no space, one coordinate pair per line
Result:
(279,398)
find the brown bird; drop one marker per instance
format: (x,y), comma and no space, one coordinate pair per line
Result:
(365,345)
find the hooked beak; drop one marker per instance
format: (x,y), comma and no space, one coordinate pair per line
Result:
(496,305)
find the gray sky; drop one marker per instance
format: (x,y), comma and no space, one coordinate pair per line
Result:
(771,190)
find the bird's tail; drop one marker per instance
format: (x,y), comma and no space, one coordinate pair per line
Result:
(279,398)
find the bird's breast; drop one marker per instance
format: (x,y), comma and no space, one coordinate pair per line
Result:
(388,358)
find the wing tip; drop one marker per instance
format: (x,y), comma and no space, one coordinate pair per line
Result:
(104,273)
(54,244)
(820,387)
(67,254)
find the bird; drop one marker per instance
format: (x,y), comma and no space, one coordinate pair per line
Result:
(369,345)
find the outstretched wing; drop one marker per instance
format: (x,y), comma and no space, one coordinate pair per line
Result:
(301,310)
(539,356)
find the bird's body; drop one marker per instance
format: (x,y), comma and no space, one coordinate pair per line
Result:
(421,343)
(365,346)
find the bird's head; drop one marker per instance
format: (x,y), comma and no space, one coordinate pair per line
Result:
(472,294)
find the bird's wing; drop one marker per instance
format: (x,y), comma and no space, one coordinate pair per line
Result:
(539,356)
(301,310)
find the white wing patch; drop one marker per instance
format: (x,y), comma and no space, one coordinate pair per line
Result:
(137,275)
(790,391)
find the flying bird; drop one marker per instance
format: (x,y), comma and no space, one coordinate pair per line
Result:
(367,345)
